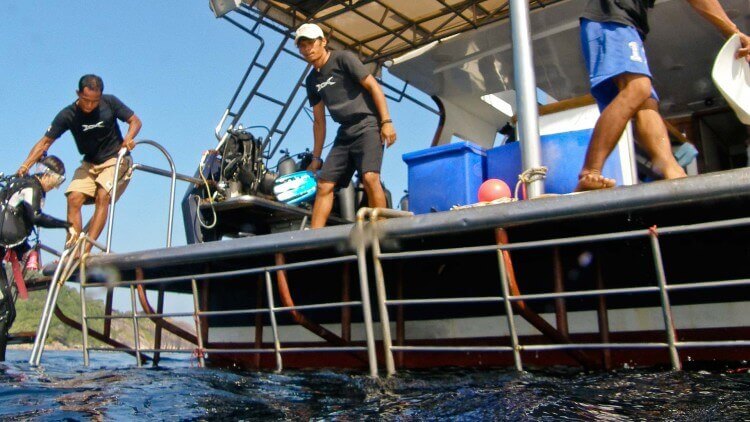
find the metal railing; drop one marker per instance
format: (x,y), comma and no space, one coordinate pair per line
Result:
(173,179)
(366,233)
(271,310)
(74,256)
(662,287)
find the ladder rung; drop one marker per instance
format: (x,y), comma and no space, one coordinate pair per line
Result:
(268,98)
(262,66)
(293,53)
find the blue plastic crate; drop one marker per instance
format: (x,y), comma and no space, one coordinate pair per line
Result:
(443,176)
(562,154)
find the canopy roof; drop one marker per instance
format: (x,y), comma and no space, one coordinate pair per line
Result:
(379,29)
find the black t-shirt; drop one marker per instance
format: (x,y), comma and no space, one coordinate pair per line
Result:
(338,85)
(627,12)
(97,134)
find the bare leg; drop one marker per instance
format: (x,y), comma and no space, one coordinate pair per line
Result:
(323,204)
(375,193)
(653,137)
(634,90)
(99,219)
(75,202)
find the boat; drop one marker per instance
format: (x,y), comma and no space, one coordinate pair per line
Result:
(647,273)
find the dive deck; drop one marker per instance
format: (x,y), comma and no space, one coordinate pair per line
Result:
(593,278)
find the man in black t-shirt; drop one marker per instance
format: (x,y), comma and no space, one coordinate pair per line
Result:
(612,32)
(92,120)
(340,82)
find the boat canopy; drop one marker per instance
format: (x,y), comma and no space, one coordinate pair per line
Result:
(380,29)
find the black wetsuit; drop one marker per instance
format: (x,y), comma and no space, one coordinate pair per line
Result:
(18,216)
(18,220)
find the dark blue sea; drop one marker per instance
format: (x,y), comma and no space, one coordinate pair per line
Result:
(112,388)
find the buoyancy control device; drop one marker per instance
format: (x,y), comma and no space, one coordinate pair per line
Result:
(242,165)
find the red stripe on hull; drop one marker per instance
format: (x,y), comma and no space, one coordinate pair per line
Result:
(422,360)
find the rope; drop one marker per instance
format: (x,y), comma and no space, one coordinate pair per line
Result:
(503,200)
(653,231)
(532,174)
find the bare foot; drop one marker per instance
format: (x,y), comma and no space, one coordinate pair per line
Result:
(673,171)
(593,180)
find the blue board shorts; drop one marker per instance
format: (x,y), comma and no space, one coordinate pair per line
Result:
(611,49)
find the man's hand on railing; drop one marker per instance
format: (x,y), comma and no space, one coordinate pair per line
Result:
(128,144)
(72,237)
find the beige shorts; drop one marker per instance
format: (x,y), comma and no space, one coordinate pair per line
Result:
(88,177)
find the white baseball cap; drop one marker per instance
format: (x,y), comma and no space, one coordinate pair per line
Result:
(309,31)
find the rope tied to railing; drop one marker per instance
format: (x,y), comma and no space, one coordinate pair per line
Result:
(653,231)
(530,175)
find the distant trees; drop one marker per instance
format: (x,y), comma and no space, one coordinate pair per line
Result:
(63,336)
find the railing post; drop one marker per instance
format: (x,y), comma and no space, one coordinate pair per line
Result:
(84,317)
(274,327)
(666,308)
(365,293)
(136,331)
(198,333)
(561,311)
(113,199)
(157,327)
(509,309)
(173,181)
(385,322)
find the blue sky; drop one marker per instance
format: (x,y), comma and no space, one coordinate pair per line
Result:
(176,66)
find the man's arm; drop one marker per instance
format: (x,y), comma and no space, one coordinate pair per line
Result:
(36,153)
(319,135)
(387,132)
(134,126)
(712,11)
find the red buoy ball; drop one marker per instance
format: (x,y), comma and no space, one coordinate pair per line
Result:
(492,189)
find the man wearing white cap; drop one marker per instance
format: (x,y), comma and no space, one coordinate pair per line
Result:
(340,82)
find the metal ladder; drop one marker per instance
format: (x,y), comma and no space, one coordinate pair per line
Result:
(235,111)
(73,257)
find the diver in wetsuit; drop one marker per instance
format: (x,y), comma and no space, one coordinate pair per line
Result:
(21,202)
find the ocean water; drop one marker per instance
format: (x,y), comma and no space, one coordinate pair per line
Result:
(112,388)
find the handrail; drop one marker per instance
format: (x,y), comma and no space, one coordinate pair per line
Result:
(672,344)
(139,282)
(385,324)
(113,194)
(113,197)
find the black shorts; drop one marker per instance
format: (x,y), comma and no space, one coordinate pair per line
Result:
(363,152)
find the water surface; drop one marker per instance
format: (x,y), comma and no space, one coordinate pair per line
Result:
(112,388)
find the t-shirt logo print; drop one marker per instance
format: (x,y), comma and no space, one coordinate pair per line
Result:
(322,85)
(99,125)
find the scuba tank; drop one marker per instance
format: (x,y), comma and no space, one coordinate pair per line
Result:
(361,195)
(404,202)
(266,185)
(345,197)
(286,164)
